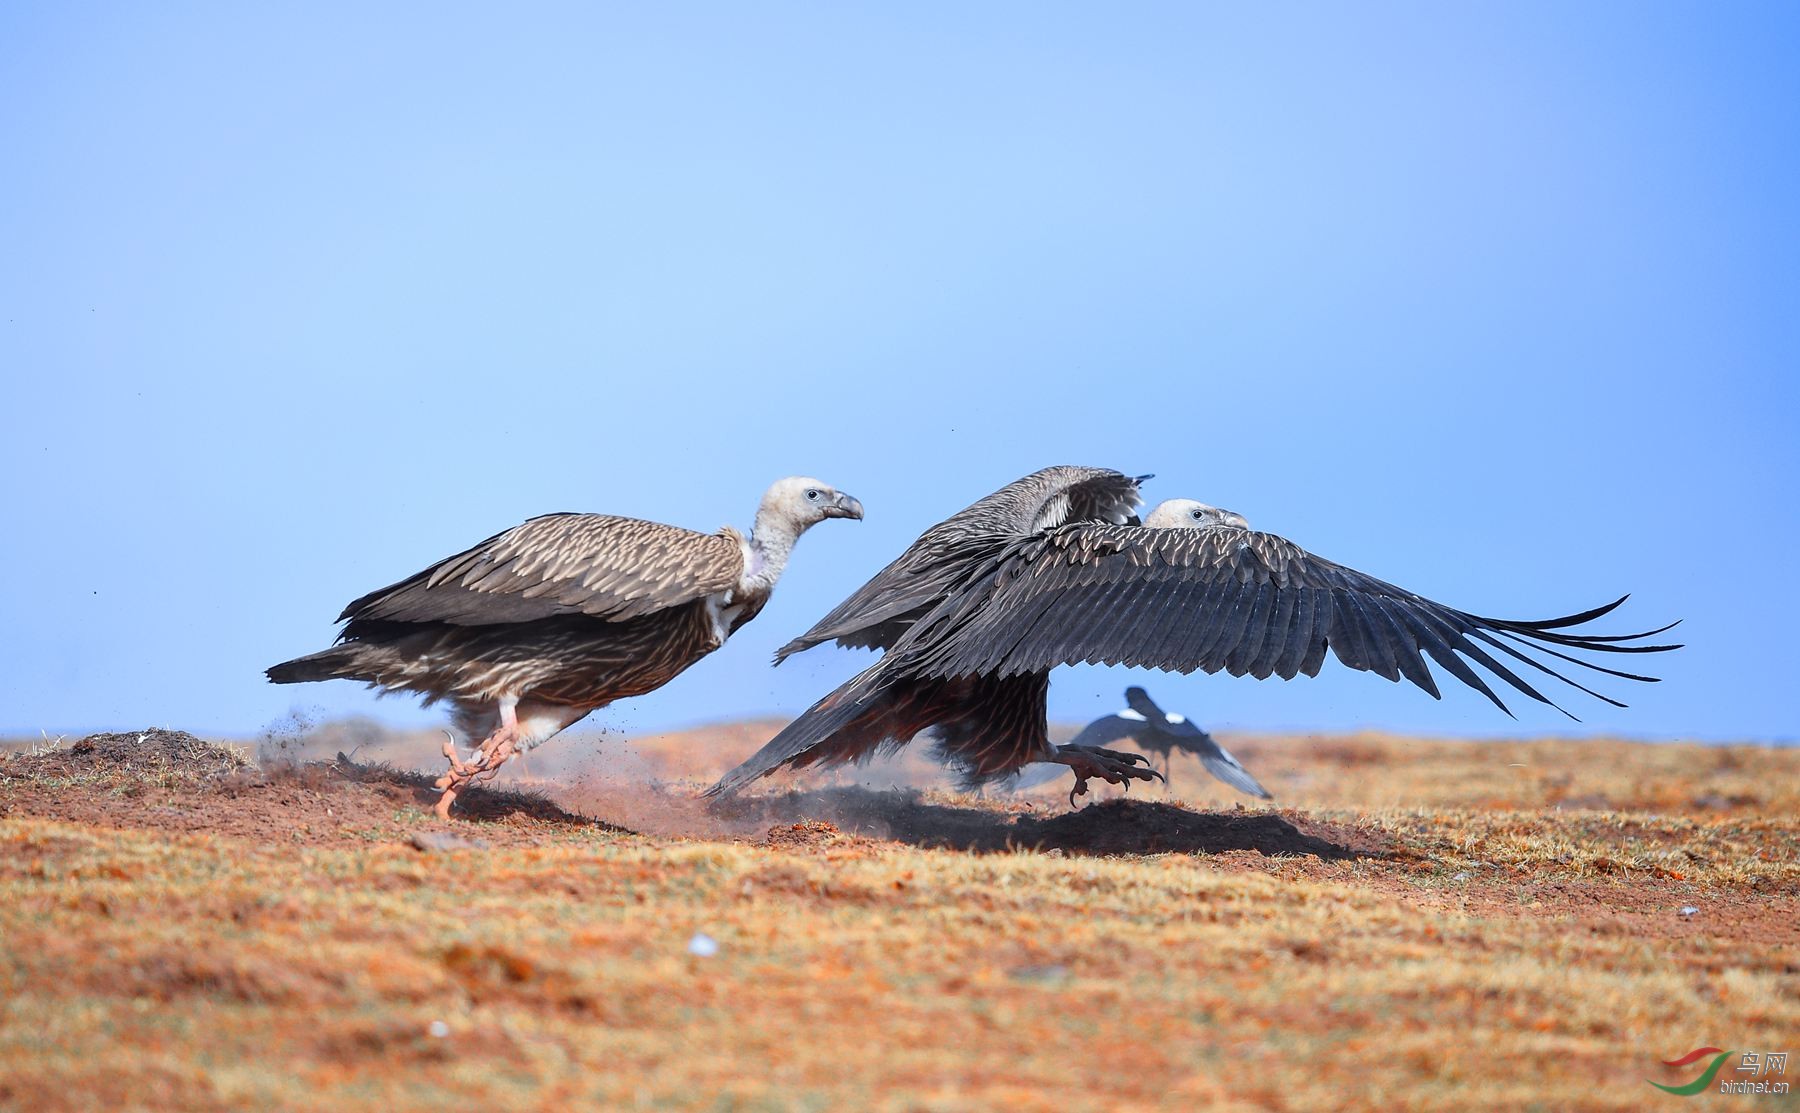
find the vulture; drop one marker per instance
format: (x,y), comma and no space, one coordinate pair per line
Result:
(532,629)
(1185,591)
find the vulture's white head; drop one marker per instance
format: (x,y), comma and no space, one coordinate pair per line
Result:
(789,508)
(791,505)
(1188,514)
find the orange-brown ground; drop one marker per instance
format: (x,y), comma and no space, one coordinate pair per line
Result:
(1418,924)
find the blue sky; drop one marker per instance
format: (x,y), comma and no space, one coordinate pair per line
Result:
(1496,302)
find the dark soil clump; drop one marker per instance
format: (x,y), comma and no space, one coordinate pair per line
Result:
(152,753)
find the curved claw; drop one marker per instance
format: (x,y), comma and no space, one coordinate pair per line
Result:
(1119,767)
(1080,788)
(449,751)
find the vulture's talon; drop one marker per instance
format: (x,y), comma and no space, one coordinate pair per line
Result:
(1112,766)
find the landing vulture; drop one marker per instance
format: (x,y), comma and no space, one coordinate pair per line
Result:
(948,553)
(535,627)
(1183,592)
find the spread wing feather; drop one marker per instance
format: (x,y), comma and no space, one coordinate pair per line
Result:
(1229,600)
(563,564)
(879,612)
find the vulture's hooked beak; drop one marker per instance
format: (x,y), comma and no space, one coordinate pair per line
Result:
(844,506)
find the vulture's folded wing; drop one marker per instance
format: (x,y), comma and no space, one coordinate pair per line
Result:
(876,614)
(1229,600)
(563,564)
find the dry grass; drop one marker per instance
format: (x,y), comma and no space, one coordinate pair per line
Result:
(1450,939)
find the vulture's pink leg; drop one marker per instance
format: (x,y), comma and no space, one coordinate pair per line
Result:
(489,757)
(522,726)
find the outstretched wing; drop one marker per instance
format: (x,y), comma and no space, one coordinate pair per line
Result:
(876,614)
(1229,600)
(562,564)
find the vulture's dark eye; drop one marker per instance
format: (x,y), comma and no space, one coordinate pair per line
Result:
(812,495)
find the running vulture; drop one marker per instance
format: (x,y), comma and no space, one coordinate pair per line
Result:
(535,627)
(1185,591)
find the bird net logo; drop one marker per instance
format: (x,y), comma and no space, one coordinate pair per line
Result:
(1755,1072)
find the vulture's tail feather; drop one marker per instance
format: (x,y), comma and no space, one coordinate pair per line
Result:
(325,665)
(349,661)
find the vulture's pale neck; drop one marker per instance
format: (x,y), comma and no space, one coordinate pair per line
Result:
(771,543)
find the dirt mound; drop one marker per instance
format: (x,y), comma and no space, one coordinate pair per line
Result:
(143,753)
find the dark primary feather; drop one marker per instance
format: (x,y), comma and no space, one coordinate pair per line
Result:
(876,614)
(597,565)
(1252,604)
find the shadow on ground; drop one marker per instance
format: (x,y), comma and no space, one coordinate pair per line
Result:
(483,804)
(173,781)
(1121,826)
(1113,827)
